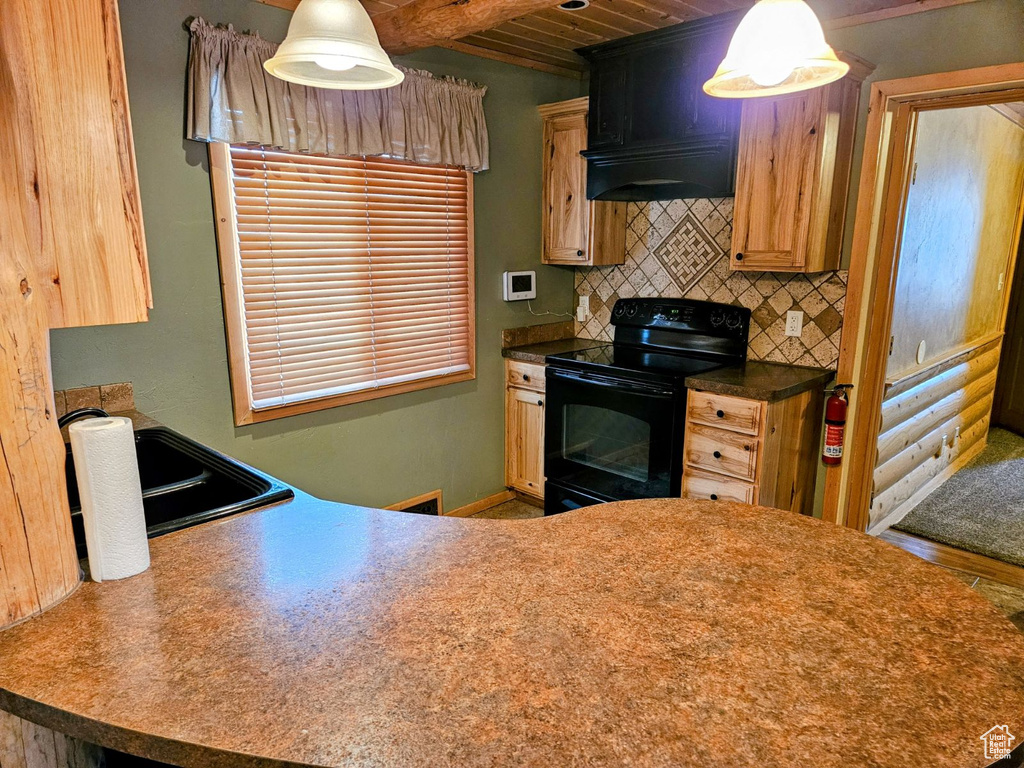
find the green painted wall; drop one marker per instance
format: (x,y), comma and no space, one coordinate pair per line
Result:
(372,453)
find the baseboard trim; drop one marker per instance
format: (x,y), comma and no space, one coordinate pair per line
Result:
(482,504)
(957,559)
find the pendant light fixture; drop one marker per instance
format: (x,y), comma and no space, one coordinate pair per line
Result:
(332,44)
(778,48)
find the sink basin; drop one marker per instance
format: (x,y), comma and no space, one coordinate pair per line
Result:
(184,484)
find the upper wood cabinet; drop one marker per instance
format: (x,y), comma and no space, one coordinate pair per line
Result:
(793,177)
(62,86)
(576,231)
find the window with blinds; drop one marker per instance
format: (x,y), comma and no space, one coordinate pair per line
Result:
(344,278)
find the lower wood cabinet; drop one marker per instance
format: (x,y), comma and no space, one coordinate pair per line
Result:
(754,451)
(524,427)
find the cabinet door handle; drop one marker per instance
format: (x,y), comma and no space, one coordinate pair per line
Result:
(717,454)
(540,402)
(739,257)
(579,253)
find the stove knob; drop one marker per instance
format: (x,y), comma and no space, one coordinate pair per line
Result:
(733,320)
(631,310)
(620,308)
(717,317)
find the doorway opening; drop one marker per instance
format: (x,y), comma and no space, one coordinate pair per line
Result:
(933,294)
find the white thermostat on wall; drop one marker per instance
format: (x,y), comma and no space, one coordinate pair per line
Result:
(517,286)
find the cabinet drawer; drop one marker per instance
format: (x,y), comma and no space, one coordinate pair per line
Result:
(524,375)
(736,414)
(698,484)
(720,451)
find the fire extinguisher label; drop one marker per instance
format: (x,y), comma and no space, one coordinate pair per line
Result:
(833,441)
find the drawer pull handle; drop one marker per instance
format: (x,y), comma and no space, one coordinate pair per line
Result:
(717,454)
(720,414)
(714,497)
(526,377)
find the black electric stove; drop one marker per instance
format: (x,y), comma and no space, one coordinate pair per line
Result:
(615,413)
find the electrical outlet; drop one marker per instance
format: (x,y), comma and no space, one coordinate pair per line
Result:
(794,322)
(583,308)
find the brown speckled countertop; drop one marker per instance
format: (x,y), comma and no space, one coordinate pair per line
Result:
(645,633)
(761,381)
(535,353)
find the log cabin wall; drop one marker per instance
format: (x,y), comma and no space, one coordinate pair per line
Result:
(960,233)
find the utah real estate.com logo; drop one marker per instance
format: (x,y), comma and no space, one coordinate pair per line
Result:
(998,742)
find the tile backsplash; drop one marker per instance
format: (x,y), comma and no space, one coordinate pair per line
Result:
(112,398)
(680,249)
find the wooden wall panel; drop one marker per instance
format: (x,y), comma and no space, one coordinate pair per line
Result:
(76,159)
(959,234)
(931,430)
(27,745)
(38,563)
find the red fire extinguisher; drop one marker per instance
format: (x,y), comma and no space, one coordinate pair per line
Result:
(835,425)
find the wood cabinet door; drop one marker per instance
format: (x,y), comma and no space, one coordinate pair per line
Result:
(566,214)
(75,159)
(779,164)
(524,441)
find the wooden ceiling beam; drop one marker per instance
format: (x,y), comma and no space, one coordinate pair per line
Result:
(422,23)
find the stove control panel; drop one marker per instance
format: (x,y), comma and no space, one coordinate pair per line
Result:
(705,317)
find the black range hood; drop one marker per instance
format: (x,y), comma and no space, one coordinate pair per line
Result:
(653,133)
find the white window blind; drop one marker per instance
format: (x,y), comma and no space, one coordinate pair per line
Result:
(353,275)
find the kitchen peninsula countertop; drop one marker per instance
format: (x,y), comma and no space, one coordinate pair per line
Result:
(642,633)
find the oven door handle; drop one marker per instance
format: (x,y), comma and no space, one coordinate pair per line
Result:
(601,381)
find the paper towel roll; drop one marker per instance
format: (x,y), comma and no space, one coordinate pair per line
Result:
(111,493)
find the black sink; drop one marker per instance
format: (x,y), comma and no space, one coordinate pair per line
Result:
(185,483)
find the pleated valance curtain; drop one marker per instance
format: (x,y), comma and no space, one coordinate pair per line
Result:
(231,98)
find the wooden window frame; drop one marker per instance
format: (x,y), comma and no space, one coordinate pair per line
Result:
(231,291)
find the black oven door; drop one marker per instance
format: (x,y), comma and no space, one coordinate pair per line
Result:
(613,438)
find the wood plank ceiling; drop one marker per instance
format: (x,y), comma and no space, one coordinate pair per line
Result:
(516,32)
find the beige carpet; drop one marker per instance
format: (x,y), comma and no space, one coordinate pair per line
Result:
(981,508)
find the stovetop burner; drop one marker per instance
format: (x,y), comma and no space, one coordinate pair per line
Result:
(665,340)
(635,362)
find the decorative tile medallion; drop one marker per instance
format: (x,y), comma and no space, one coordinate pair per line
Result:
(680,248)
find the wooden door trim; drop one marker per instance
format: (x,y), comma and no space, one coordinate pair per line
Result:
(874,256)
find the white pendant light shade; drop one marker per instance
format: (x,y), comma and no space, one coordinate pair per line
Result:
(332,44)
(778,48)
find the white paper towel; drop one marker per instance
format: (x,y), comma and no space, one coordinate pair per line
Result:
(111,493)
